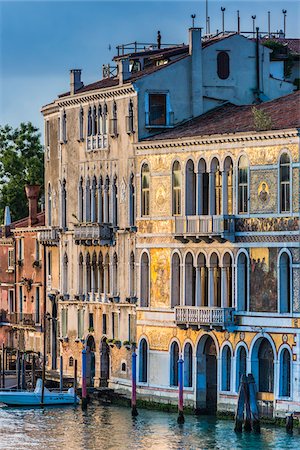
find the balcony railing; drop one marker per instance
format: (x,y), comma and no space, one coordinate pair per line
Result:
(97,142)
(204,227)
(49,237)
(204,316)
(17,318)
(94,234)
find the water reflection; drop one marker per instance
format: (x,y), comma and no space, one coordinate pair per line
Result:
(110,427)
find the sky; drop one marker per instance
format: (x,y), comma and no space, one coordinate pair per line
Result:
(40,41)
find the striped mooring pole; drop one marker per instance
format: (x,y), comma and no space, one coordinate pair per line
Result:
(83,372)
(134,411)
(180,418)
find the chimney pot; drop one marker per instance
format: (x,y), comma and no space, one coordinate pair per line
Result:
(32,194)
(75,80)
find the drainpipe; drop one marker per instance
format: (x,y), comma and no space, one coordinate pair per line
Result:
(257,63)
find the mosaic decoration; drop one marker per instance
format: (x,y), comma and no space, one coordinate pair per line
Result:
(263,192)
(268,224)
(263,279)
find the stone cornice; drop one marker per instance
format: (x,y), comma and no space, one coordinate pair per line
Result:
(88,97)
(218,139)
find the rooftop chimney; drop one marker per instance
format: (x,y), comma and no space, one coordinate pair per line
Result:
(124,70)
(75,80)
(32,193)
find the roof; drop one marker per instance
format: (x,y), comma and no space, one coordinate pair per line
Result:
(228,118)
(292,44)
(23,223)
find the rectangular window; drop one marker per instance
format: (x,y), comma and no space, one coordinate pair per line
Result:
(11,302)
(80,323)
(64,322)
(115,325)
(91,322)
(157,109)
(37,305)
(20,250)
(21,299)
(37,250)
(131,328)
(11,258)
(104,324)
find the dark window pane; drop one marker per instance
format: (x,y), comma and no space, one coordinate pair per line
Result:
(223,65)
(157,109)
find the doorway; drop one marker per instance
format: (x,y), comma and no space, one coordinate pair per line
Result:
(104,363)
(206,377)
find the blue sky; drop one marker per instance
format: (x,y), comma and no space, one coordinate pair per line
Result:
(41,40)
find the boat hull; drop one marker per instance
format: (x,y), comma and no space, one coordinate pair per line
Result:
(33,399)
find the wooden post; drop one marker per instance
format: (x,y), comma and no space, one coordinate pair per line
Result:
(0,372)
(33,372)
(247,424)
(3,365)
(134,411)
(180,418)
(289,424)
(253,403)
(18,370)
(83,373)
(23,372)
(239,414)
(61,374)
(75,382)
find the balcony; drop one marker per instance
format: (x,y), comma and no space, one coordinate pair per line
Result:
(204,317)
(205,228)
(97,142)
(50,237)
(22,319)
(94,234)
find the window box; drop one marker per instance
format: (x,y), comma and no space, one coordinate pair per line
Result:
(116,299)
(127,345)
(132,299)
(111,342)
(91,330)
(118,343)
(66,297)
(66,339)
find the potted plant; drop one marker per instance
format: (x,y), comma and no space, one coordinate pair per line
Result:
(127,345)
(91,330)
(111,342)
(133,346)
(118,343)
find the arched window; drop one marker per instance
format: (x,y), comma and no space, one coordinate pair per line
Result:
(131,201)
(215,280)
(226,368)
(106,217)
(64,204)
(215,188)
(176,288)
(227,281)
(203,274)
(80,274)
(285,373)
(114,126)
(88,273)
(242,282)
(81,125)
(265,367)
(94,273)
(190,189)
(144,293)
(106,274)
(203,188)
(115,275)
(130,124)
(188,365)
(143,361)
(99,115)
(228,186)
(115,202)
(223,65)
(190,280)
(49,205)
(89,122)
(145,194)
(87,201)
(132,276)
(284,283)
(94,200)
(241,365)
(176,185)
(104,119)
(100,200)
(174,356)
(80,200)
(285,190)
(64,126)
(101,272)
(95,121)
(243,185)
(65,284)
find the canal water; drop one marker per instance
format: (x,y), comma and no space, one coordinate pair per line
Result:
(112,427)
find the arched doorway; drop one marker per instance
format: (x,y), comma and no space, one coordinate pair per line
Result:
(262,365)
(104,363)
(206,395)
(90,360)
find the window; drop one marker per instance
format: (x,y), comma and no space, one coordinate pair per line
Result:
(47,133)
(190,189)
(242,282)
(223,65)
(227,281)
(285,183)
(71,361)
(130,124)
(203,275)
(190,280)
(11,259)
(104,119)
(115,202)
(131,201)
(216,280)
(285,373)
(175,288)
(101,272)
(243,185)
(37,250)
(64,322)
(11,301)
(100,200)
(80,274)
(115,325)
(115,275)
(49,205)
(21,299)
(203,188)
(145,182)
(176,185)
(91,321)
(174,356)
(80,200)
(106,217)
(144,293)
(218,191)
(65,281)
(89,122)
(131,328)
(132,276)
(88,271)
(188,365)
(80,323)
(64,127)
(143,361)
(284,283)
(241,367)
(226,368)
(107,274)
(94,121)
(37,305)
(113,121)
(81,124)
(20,249)
(228,186)
(63,205)
(94,202)
(157,109)
(94,285)
(266,367)
(104,323)
(87,201)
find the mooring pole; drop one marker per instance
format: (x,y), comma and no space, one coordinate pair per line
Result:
(3,365)
(247,424)
(61,374)
(289,423)
(180,418)
(75,382)
(1,372)
(83,374)
(239,414)
(23,372)
(134,411)
(18,370)
(253,403)
(33,372)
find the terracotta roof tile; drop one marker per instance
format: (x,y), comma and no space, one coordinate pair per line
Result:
(228,118)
